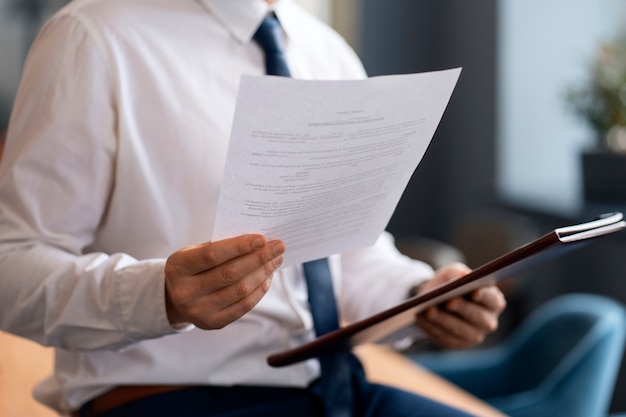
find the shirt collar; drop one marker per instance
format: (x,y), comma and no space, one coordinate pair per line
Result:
(242,17)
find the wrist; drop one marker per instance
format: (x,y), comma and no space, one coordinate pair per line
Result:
(173,315)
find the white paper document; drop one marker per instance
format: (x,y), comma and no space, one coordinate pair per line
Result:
(322,165)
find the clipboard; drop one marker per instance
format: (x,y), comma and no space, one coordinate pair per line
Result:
(388,323)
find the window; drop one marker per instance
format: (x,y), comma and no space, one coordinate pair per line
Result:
(544,47)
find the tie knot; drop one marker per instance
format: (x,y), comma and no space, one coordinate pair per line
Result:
(269,37)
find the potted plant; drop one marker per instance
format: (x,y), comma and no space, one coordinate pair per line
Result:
(601,102)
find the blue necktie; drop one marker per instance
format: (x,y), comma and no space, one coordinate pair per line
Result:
(334,384)
(269,37)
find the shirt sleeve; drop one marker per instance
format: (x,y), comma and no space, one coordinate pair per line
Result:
(56,177)
(377,278)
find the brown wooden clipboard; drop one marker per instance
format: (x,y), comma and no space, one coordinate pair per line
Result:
(389,322)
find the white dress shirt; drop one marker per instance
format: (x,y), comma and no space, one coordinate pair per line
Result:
(114,160)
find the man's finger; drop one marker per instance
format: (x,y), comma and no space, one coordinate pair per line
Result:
(196,259)
(235,288)
(232,310)
(490,297)
(473,313)
(264,261)
(447,330)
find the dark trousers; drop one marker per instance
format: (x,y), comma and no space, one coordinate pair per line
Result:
(371,400)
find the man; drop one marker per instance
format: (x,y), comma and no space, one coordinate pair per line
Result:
(108,187)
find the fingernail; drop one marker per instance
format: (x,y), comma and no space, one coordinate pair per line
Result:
(278,248)
(278,261)
(257,243)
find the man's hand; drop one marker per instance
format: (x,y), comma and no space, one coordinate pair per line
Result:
(463,321)
(215,283)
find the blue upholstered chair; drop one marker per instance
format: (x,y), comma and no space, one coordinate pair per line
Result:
(562,361)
